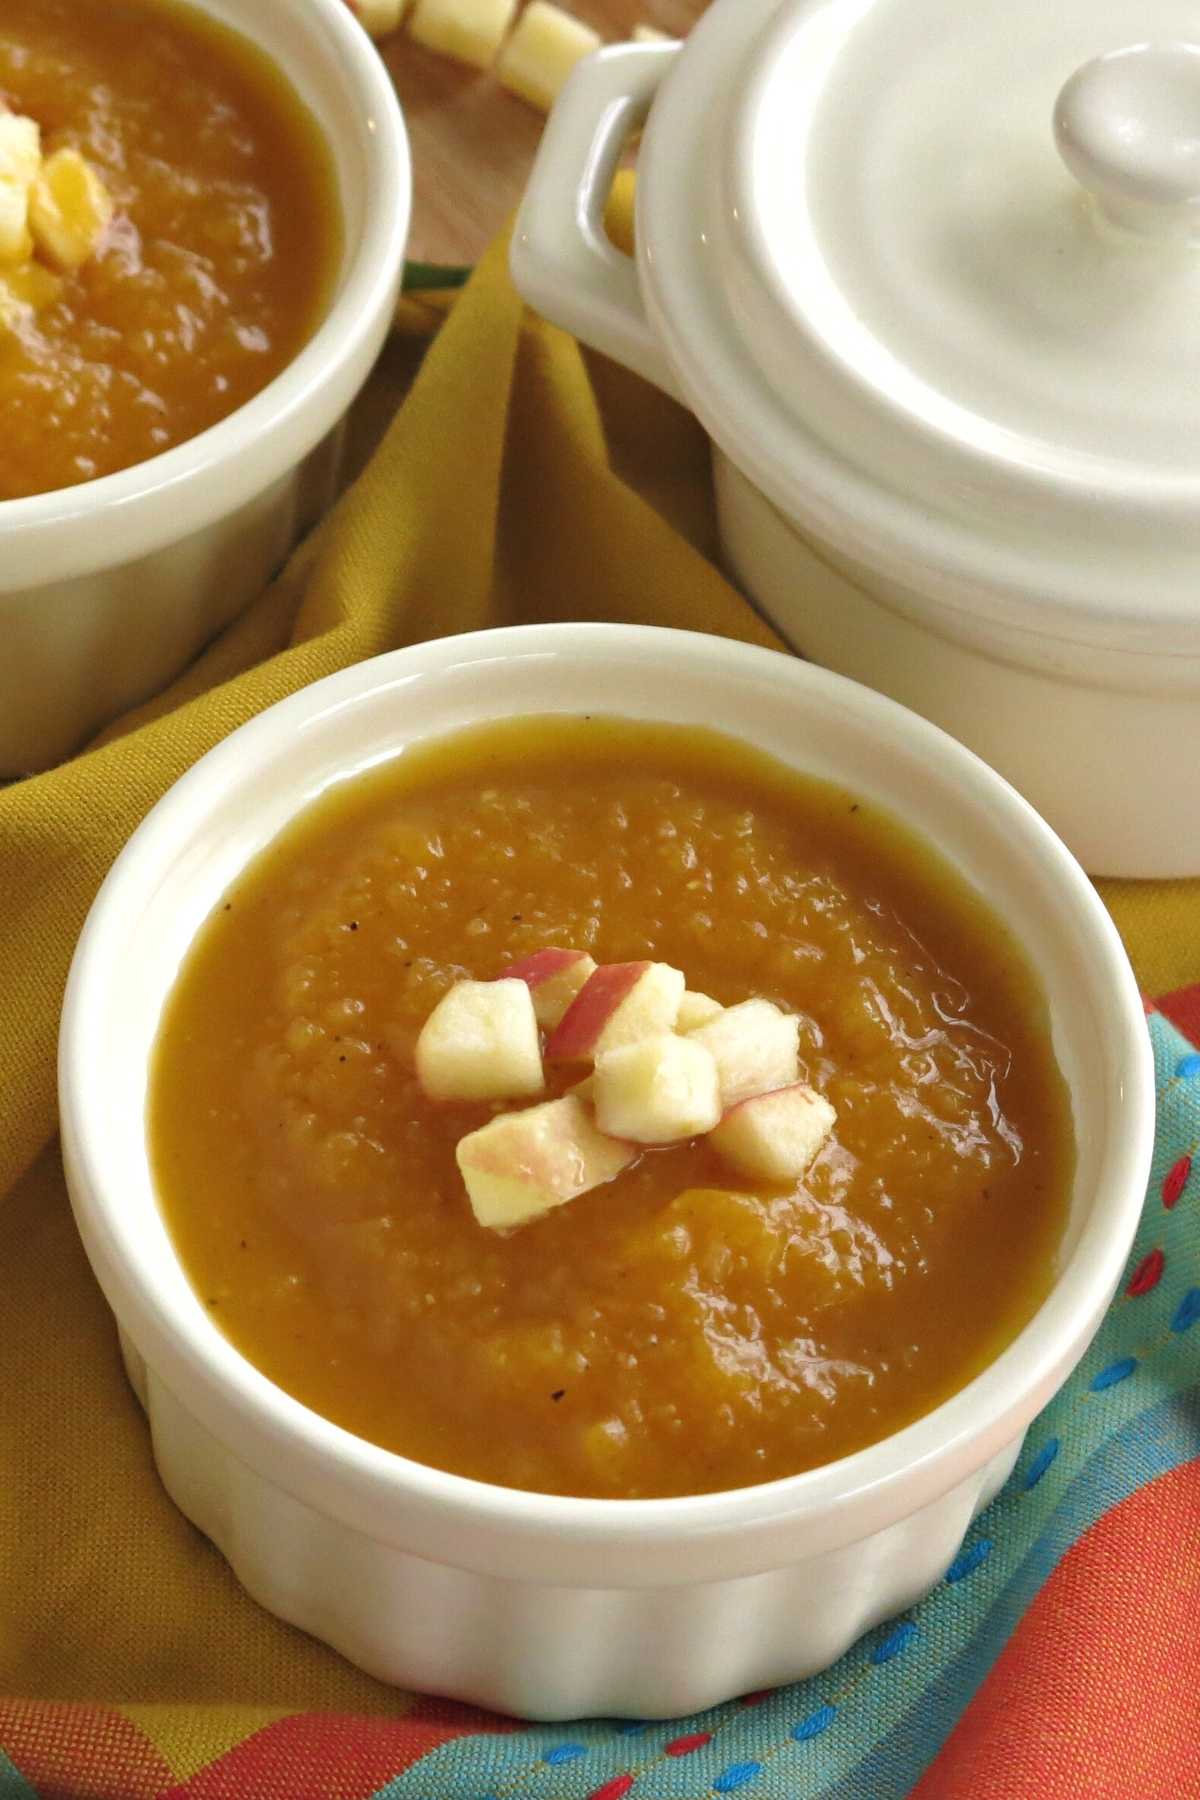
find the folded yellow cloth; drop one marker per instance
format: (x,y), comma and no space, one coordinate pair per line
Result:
(519,481)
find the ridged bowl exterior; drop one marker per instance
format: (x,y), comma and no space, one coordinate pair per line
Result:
(539,1604)
(78,653)
(547,1652)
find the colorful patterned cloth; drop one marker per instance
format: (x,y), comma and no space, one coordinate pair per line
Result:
(1060,1657)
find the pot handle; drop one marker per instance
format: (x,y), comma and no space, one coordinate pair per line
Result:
(562,260)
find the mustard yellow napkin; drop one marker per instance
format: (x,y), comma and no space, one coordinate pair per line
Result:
(517,482)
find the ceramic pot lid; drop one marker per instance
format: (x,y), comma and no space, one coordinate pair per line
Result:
(951,262)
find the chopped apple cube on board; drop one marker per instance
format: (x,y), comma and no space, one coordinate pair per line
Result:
(775,1136)
(69,209)
(658,1090)
(618,1004)
(481,1042)
(756,1047)
(378,18)
(696,1009)
(522,1164)
(542,51)
(554,978)
(470,31)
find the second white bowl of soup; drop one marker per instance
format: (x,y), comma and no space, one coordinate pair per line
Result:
(171,405)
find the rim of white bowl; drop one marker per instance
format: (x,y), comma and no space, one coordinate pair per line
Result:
(136,511)
(421,1508)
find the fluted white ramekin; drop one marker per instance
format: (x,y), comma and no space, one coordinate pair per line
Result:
(534,1604)
(109,588)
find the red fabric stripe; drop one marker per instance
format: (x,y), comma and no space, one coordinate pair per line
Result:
(74,1752)
(1147,1275)
(332,1756)
(1097,1692)
(1183,1010)
(683,1746)
(1176,1179)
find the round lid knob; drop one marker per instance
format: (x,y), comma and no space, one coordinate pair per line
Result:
(1128,127)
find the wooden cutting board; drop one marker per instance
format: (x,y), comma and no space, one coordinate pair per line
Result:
(472,142)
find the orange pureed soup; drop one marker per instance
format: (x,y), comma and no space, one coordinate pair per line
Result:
(219,258)
(677,1330)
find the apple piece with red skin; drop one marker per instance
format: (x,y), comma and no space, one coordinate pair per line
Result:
(619,1004)
(756,1047)
(659,1090)
(774,1136)
(553,977)
(523,1164)
(481,1042)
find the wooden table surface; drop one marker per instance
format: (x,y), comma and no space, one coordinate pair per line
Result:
(472,142)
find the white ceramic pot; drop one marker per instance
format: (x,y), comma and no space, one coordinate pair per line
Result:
(535,1604)
(949,365)
(108,589)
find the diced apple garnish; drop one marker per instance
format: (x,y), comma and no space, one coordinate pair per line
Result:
(618,1004)
(774,1136)
(20,148)
(481,1042)
(378,18)
(542,51)
(20,160)
(16,245)
(696,1010)
(554,978)
(658,1090)
(523,1164)
(755,1046)
(470,31)
(585,1089)
(69,209)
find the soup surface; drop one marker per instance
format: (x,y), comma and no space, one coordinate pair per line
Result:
(217,263)
(677,1330)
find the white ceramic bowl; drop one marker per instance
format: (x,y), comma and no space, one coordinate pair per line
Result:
(531,1604)
(950,393)
(108,589)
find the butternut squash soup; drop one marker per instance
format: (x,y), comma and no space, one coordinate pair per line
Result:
(601,1108)
(212,233)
